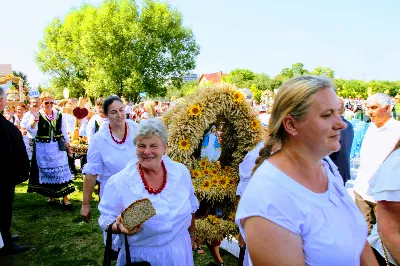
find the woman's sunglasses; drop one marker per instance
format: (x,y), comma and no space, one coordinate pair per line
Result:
(46,103)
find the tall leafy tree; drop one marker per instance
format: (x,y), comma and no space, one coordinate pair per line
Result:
(324,71)
(239,77)
(23,76)
(295,70)
(117,48)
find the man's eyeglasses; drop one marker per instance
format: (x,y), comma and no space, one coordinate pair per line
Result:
(47,103)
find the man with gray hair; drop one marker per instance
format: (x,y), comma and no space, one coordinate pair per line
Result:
(14,165)
(379,140)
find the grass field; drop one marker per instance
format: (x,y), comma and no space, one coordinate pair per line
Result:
(57,237)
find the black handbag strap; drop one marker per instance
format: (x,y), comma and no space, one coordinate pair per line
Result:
(128,256)
(107,252)
(127,251)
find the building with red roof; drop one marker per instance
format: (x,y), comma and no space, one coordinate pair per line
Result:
(214,78)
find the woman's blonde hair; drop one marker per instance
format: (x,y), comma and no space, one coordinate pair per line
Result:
(46,94)
(294,98)
(149,106)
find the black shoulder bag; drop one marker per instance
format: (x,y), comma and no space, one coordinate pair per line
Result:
(62,144)
(108,251)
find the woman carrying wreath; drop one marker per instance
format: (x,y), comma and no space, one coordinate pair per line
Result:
(50,174)
(167,237)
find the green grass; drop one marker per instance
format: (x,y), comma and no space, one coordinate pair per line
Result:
(58,237)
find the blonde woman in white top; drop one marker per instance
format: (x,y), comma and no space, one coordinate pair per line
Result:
(295,210)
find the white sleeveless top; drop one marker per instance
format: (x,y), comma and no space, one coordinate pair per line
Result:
(331,226)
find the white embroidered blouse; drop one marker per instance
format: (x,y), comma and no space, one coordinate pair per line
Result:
(174,205)
(105,157)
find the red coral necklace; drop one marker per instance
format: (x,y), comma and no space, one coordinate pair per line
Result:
(125,134)
(146,185)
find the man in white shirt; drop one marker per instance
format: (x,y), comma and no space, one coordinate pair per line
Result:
(379,140)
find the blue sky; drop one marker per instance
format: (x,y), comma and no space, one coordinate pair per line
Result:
(358,39)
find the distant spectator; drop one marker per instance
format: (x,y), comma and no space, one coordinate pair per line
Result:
(96,121)
(25,125)
(358,111)
(342,157)
(127,109)
(397,107)
(263,116)
(19,114)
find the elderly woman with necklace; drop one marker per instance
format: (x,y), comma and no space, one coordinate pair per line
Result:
(50,174)
(164,239)
(110,149)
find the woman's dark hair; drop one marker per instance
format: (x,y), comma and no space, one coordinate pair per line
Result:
(108,101)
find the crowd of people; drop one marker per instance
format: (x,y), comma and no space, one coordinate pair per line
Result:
(352,108)
(294,208)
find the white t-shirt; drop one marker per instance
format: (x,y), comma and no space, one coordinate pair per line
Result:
(385,185)
(331,226)
(376,146)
